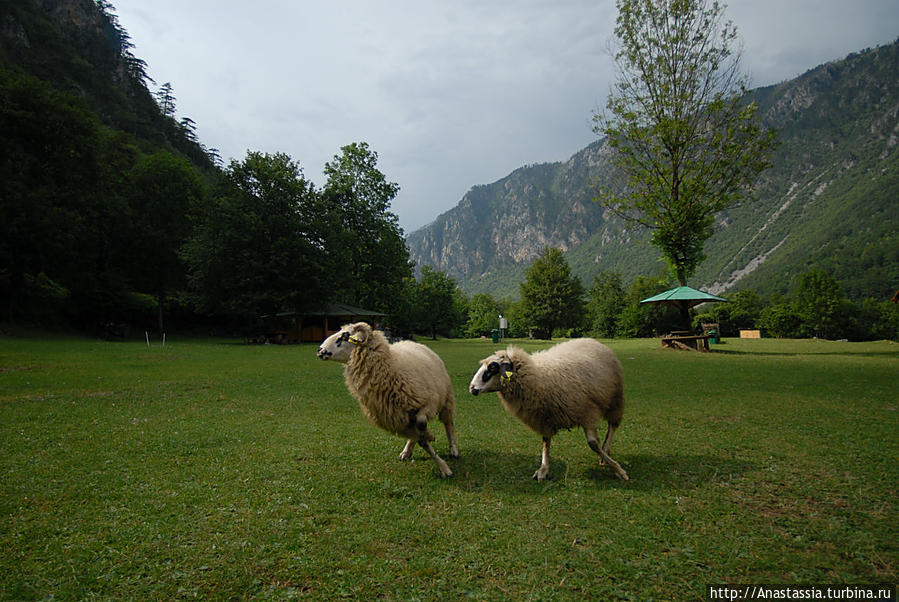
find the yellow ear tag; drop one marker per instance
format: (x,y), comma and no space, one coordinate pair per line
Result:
(354,340)
(508,375)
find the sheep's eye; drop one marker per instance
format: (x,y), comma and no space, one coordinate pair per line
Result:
(492,368)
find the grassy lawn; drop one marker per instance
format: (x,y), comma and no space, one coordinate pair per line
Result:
(217,470)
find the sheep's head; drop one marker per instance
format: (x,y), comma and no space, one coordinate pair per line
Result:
(339,345)
(495,371)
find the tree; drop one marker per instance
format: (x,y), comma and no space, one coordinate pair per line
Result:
(650,319)
(165,98)
(518,320)
(401,320)
(215,156)
(437,300)
(188,129)
(50,196)
(552,297)
(369,240)
(817,303)
(780,320)
(164,190)
(685,143)
(261,244)
(606,302)
(742,311)
(483,315)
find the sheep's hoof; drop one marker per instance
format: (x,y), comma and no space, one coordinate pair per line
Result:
(405,456)
(446,475)
(454,453)
(540,475)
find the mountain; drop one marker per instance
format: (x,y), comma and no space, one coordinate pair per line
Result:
(79,47)
(97,179)
(830,200)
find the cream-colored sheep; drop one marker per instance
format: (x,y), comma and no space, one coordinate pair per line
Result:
(399,387)
(576,383)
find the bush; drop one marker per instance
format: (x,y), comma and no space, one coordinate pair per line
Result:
(781,321)
(875,320)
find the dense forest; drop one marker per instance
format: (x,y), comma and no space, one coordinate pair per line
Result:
(114,212)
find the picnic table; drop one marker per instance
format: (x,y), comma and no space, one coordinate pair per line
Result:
(686,340)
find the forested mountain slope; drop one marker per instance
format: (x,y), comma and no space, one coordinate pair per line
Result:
(79,47)
(96,176)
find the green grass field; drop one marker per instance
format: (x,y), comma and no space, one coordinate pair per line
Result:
(217,470)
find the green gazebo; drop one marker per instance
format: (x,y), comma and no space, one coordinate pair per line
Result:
(684,297)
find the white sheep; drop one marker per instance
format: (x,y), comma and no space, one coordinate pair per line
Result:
(575,383)
(399,387)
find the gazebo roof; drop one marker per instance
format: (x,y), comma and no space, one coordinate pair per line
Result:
(683,294)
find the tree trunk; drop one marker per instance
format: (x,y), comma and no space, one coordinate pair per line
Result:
(160,300)
(685,316)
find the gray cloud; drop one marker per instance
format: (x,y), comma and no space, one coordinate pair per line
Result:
(449,94)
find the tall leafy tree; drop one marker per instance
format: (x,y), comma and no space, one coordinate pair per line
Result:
(483,315)
(261,244)
(685,142)
(369,243)
(163,191)
(437,303)
(646,320)
(817,301)
(551,295)
(607,297)
(401,319)
(780,320)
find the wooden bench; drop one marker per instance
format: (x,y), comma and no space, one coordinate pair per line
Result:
(695,342)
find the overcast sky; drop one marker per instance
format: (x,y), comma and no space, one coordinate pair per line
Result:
(449,94)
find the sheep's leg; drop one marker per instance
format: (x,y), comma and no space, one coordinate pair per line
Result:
(607,442)
(544,462)
(406,454)
(451,435)
(593,442)
(442,466)
(424,440)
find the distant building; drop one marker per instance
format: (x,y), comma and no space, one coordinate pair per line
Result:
(314,326)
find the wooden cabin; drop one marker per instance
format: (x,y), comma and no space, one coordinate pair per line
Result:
(314,326)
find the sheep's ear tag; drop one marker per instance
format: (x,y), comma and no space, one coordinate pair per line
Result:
(354,340)
(507,372)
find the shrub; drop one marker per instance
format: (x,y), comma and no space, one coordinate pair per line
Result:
(780,321)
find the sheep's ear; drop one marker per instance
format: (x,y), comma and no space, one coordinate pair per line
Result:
(506,370)
(360,331)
